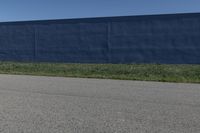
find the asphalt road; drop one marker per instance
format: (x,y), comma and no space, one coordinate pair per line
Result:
(30,104)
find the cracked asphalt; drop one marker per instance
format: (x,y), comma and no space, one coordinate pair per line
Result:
(36,104)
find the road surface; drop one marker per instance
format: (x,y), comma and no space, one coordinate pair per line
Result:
(33,104)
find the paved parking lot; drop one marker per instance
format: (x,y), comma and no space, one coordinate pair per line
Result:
(33,104)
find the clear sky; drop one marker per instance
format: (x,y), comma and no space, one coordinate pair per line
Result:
(16,10)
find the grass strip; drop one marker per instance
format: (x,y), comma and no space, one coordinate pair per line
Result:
(143,72)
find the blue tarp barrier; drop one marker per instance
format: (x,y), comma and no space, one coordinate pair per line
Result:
(165,39)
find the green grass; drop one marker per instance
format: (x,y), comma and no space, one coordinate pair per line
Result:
(145,72)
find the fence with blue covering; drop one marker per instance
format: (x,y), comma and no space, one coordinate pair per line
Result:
(165,39)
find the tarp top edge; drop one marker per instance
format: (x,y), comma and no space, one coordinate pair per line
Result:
(102,19)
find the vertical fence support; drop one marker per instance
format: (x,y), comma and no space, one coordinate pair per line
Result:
(35,44)
(108,40)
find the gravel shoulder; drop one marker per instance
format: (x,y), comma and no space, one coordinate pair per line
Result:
(35,104)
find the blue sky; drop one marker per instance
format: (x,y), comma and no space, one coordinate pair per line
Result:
(16,10)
